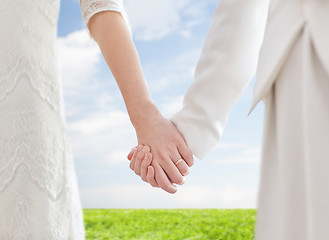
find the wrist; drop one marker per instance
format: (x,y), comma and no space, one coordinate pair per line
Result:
(143,114)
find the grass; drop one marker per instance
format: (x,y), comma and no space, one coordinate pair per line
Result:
(169,224)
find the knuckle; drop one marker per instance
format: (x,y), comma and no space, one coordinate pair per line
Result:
(140,156)
(133,159)
(162,154)
(145,164)
(135,154)
(178,142)
(174,138)
(147,148)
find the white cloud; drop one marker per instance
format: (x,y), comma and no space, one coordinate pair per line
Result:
(95,134)
(155,19)
(152,20)
(229,145)
(252,151)
(251,155)
(240,159)
(79,60)
(169,75)
(99,122)
(186,34)
(79,57)
(104,100)
(107,137)
(117,156)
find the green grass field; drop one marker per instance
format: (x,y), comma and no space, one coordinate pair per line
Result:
(170,224)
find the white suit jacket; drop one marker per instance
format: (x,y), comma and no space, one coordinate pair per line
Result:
(246,37)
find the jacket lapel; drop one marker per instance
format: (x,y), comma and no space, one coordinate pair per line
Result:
(284,24)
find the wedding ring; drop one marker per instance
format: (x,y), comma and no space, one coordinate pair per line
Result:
(180,160)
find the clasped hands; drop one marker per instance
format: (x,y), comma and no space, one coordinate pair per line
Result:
(162,157)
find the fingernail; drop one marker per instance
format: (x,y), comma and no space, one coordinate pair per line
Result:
(148,149)
(183,181)
(146,156)
(188,171)
(144,149)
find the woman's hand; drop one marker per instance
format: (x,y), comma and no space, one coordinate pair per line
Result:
(160,136)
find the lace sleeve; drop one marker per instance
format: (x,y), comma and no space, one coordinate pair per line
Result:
(91,7)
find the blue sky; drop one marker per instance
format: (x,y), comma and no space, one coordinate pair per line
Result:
(169,35)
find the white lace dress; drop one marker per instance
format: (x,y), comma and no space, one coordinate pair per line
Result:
(39,197)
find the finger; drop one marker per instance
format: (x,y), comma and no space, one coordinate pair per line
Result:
(171,170)
(163,181)
(145,164)
(181,165)
(138,161)
(183,149)
(150,177)
(130,155)
(133,159)
(186,154)
(139,158)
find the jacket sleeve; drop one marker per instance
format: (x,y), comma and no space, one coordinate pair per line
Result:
(226,66)
(91,7)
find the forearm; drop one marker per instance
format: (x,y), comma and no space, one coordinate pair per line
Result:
(227,64)
(110,31)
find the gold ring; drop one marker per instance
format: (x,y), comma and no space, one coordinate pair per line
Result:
(180,160)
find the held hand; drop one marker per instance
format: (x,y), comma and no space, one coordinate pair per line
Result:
(138,156)
(167,147)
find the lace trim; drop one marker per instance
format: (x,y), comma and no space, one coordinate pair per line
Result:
(91,7)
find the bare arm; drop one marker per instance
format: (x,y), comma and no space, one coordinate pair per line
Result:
(112,35)
(110,31)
